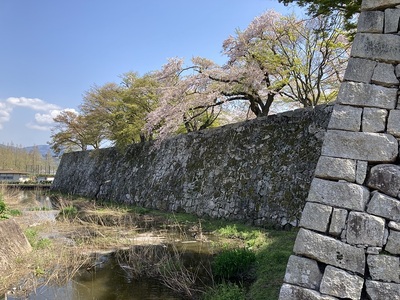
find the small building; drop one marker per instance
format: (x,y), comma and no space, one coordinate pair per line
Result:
(14,176)
(45,179)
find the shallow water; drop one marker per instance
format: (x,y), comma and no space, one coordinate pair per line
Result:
(109,281)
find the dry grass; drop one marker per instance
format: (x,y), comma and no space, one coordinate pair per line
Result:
(167,264)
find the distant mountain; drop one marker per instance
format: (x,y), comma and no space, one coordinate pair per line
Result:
(43,149)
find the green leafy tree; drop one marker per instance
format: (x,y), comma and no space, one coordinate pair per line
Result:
(121,110)
(349,8)
(74,132)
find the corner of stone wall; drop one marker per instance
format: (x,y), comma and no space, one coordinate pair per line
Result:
(348,245)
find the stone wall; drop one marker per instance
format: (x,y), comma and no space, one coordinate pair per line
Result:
(257,171)
(348,245)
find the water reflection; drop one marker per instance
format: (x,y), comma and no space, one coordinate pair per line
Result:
(107,282)
(34,199)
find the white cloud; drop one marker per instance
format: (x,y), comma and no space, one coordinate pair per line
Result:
(5,113)
(40,121)
(32,103)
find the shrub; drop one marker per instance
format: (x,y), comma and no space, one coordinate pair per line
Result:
(36,241)
(225,291)
(253,238)
(233,263)
(69,212)
(2,205)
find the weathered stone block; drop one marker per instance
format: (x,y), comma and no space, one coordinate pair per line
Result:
(336,168)
(384,206)
(394,225)
(329,251)
(385,178)
(345,117)
(339,283)
(374,250)
(361,173)
(381,290)
(392,20)
(339,194)
(397,70)
(376,46)
(371,21)
(369,95)
(338,221)
(374,119)
(371,147)
(359,70)
(303,272)
(292,292)
(378,4)
(393,126)
(364,229)
(316,216)
(384,267)
(384,74)
(393,243)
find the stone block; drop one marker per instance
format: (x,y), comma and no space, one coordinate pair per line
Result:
(378,4)
(338,194)
(341,284)
(361,173)
(397,70)
(371,147)
(359,70)
(345,117)
(292,292)
(368,95)
(374,119)
(364,229)
(385,178)
(392,20)
(336,168)
(382,290)
(329,251)
(382,47)
(338,221)
(384,206)
(303,272)
(384,268)
(393,243)
(394,225)
(384,74)
(374,250)
(393,126)
(371,21)
(316,216)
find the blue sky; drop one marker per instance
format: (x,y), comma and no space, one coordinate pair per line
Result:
(53,51)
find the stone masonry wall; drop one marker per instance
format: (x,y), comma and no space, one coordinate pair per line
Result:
(348,245)
(257,171)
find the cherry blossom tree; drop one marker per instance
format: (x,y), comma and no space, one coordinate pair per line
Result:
(274,57)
